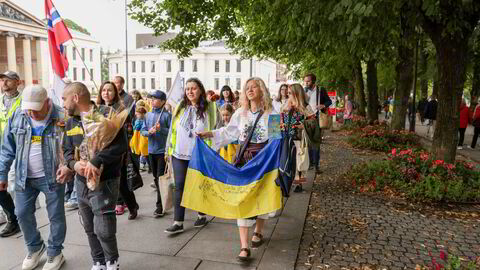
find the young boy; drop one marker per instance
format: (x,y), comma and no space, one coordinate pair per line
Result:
(157,124)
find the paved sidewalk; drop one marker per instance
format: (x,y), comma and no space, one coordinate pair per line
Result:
(144,245)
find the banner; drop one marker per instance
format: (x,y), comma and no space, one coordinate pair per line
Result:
(217,188)
(332,110)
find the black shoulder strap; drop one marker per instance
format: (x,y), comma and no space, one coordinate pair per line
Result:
(249,137)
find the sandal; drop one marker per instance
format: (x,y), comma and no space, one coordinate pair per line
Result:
(256,244)
(244,258)
(119,210)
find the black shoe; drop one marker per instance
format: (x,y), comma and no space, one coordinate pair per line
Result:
(158,213)
(174,229)
(133,213)
(200,222)
(10,229)
(298,188)
(317,170)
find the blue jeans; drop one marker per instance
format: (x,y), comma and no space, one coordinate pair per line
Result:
(314,155)
(25,211)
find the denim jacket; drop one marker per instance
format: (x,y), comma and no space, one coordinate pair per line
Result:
(17,140)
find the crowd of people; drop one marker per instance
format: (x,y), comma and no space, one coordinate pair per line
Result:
(42,141)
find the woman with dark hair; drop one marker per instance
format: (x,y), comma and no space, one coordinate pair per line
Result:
(109,96)
(226,96)
(282,97)
(194,114)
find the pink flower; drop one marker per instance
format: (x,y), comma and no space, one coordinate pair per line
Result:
(443,255)
(394,151)
(449,166)
(469,165)
(424,156)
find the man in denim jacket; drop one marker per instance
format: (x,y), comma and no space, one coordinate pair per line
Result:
(32,137)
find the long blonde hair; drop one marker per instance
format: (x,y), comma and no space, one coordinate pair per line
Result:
(266,103)
(298,97)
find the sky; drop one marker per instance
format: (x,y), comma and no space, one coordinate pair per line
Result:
(104,19)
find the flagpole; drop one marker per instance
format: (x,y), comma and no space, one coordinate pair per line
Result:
(85,65)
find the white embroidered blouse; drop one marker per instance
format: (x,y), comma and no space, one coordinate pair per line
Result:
(188,124)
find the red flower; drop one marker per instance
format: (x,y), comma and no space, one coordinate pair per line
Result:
(443,255)
(394,151)
(449,166)
(438,162)
(424,156)
(469,165)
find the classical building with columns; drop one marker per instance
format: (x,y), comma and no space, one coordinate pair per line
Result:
(24,49)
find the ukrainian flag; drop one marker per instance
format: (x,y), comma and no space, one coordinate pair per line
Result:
(215,187)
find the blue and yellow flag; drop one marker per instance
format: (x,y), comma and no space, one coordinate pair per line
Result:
(217,188)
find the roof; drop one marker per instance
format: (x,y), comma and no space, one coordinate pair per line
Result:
(150,40)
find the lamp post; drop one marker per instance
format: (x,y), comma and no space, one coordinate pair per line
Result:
(126,47)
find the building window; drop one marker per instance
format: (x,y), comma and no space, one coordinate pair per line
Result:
(217,66)
(143,84)
(134,67)
(116,67)
(83,54)
(227,65)
(74,53)
(152,67)
(65,50)
(75,74)
(91,55)
(152,83)
(227,81)
(182,65)
(134,83)
(239,84)
(195,66)
(91,74)
(169,83)
(169,65)
(83,74)
(239,65)
(143,66)
(217,83)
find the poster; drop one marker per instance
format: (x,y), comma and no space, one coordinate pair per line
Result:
(274,130)
(332,110)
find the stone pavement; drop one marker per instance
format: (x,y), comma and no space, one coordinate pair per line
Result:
(350,230)
(144,245)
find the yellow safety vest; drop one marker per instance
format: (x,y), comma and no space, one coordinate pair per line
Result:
(4,116)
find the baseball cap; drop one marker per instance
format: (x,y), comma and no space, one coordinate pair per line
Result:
(158,95)
(12,75)
(33,97)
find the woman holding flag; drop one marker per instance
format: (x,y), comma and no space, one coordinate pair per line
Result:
(193,114)
(250,120)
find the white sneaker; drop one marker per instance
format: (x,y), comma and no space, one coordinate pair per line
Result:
(31,261)
(98,266)
(468,146)
(54,263)
(459,147)
(113,266)
(3,218)
(71,206)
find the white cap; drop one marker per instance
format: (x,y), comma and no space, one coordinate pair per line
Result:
(33,97)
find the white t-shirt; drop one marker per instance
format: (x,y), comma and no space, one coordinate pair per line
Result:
(35,160)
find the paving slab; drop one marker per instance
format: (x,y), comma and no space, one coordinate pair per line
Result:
(209,265)
(221,243)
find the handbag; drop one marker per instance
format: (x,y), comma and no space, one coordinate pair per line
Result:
(313,131)
(303,160)
(165,186)
(288,160)
(134,179)
(322,117)
(241,150)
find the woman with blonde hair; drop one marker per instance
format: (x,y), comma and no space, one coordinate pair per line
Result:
(293,115)
(255,104)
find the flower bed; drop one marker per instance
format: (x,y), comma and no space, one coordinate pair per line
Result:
(379,137)
(418,176)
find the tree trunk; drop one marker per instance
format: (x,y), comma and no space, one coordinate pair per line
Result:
(474,94)
(423,68)
(451,67)
(436,82)
(372,87)
(359,88)
(404,73)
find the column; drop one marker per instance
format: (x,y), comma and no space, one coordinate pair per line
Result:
(12,55)
(27,59)
(42,67)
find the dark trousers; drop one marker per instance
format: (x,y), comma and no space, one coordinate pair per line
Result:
(476,132)
(158,165)
(179,172)
(8,206)
(314,155)
(126,195)
(462,136)
(97,214)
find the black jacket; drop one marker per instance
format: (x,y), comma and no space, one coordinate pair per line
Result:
(111,157)
(431,110)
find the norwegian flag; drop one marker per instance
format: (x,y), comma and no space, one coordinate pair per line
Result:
(57,35)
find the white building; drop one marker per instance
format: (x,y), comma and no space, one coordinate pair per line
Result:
(24,49)
(212,62)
